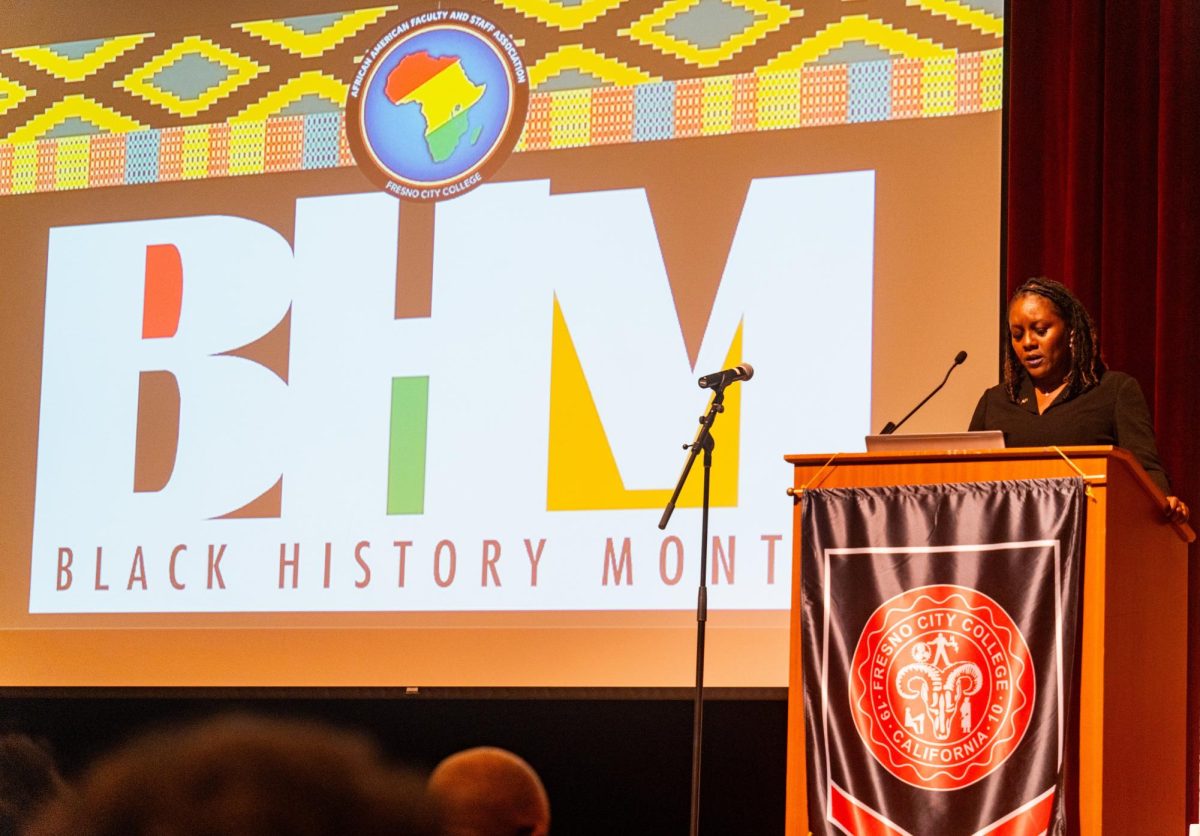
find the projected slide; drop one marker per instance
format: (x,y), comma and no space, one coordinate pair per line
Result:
(392,317)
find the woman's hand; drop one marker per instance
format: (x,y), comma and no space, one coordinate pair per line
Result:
(1177,510)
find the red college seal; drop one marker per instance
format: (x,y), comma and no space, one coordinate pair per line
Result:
(941,686)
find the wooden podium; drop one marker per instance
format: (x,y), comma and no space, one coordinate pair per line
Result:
(1133,668)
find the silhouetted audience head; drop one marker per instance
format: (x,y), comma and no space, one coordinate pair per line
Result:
(489,792)
(244,776)
(28,779)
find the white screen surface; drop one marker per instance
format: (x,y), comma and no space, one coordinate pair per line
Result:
(257,403)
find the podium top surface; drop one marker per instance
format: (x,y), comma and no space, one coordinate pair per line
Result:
(1098,451)
(1080,457)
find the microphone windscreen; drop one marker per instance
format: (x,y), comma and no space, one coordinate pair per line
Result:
(959,358)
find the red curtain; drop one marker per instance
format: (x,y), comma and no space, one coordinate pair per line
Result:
(1103,193)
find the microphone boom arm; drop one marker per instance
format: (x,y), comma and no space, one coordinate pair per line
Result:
(890,428)
(703,441)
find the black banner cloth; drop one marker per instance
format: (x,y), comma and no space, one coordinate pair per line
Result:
(939,627)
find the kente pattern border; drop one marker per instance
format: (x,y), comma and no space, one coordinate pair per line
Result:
(816,95)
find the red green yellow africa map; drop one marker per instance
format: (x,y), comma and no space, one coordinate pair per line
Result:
(445,94)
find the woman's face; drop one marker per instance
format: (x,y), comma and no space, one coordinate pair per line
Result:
(1040,339)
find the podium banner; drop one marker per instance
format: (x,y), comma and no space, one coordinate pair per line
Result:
(939,628)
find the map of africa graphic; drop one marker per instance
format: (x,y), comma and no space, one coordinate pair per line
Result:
(445,94)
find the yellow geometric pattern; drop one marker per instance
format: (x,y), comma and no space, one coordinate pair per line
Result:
(105,119)
(194,151)
(703,75)
(24,169)
(589,61)
(247,147)
(571,111)
(650,30)
(242,71)
(48,60)
(582,471)
(73,163)
(993,67)
(11,94)
(778,100)
(717,121)
(308,83)
(977,19)
(938,87)
(311,44)
(562,15)
(856,28)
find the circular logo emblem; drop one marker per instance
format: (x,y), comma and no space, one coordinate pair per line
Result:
(941,686)
(437,105)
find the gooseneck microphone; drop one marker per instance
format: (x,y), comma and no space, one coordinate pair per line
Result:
(890,428)
(719,379)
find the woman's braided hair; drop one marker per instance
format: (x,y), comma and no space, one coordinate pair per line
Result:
(1086,365)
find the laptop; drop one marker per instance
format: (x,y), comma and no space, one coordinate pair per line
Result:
(936,442)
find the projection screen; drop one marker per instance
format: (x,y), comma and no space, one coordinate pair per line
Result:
(358,345)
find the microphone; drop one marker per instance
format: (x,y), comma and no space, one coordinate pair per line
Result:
(890,428)
(717,380)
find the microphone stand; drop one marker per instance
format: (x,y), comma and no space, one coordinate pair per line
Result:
(703,441)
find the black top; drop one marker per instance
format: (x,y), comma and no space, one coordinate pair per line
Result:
(1113,412)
